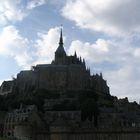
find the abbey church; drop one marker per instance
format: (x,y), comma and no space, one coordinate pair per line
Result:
(64,73)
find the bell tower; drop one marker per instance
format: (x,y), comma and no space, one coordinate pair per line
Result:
(60,54)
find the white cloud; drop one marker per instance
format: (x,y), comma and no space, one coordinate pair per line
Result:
(137,52)
(46,45)
(11,11)
(92,52)
(109,16)
(15,10)
(14,45)
(125,82)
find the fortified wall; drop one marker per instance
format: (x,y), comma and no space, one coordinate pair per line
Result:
(89,134)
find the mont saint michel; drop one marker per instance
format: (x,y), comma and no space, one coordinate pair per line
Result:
(64,101)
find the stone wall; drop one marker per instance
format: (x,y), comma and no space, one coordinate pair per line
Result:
(112,134)
(96,135)
(59,77)
(74,116)
(6,87)
(24,132)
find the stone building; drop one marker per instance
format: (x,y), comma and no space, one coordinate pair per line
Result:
(70,116)
(50,103)
(23,123)
(69,77)
(6,87)
(64,73)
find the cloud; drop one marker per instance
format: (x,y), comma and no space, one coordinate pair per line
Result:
(46,45)
(14,45)
(92,52)
(103,50)
(112,17)
(15,10)
(25,52)
(11,11)
(124,82)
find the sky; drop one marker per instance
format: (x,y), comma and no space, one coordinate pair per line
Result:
(104,32)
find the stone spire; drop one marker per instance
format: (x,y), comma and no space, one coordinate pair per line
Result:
(75,54)
(60,49)
(60,54)
(61,38)
(84,62)
(80,59)
(101,75)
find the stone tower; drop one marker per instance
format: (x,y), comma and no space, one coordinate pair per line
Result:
(60,54)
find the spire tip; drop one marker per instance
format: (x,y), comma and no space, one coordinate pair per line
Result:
(61,36)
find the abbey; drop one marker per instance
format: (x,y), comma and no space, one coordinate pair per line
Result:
(64,73)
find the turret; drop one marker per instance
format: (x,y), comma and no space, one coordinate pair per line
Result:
(88,70)
(101,75)
(80,60)
(84,63)
(75,55)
